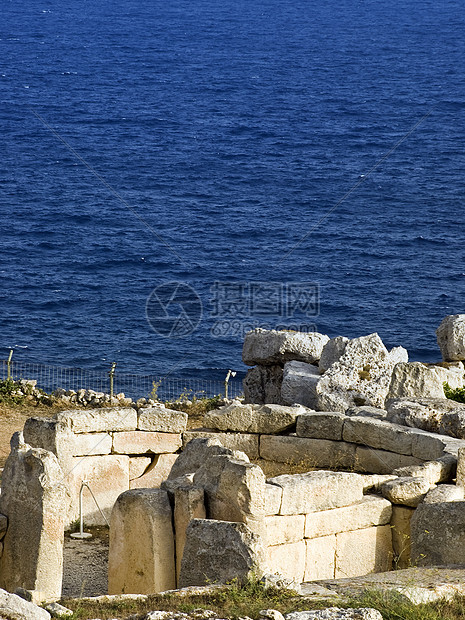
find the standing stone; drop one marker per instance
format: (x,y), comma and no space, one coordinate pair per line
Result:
(220,551)
(451,337)
(141,557)
(262,384)
(34,499)
(269,347)
(189,503)
(299,384)
(438,534)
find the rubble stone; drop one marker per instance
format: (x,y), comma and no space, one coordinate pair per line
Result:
(269,347)
(451,337)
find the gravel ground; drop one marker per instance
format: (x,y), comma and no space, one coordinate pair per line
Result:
(85,565)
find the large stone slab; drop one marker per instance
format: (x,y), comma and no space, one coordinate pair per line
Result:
(320,558)
(378,434)
(144,442)
(16,608)
(415,379)
(189,503)
(262,384)
(195,452)
(158,472)
(375,461)
(51,435)
(401,538)
(273,498)
(318,490)
(288,560)
(91,444)
(284,529)
(250,418)
(269,347)
(220,551)
(99,420)
(160,419)
(406,491)
(438,534)
(451,337)
(370,511)
(34,500)
(243,442)
(332,352)
(141,557)
(321,425)
(314,453)
(440,470)
(436,415)
(363,551)
(299,384)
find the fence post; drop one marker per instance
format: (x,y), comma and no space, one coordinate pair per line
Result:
(112,375)
(231,373)
(8,365)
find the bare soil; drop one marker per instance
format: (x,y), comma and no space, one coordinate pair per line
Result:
(85,564)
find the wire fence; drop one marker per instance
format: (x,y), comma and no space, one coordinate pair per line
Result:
(50,378)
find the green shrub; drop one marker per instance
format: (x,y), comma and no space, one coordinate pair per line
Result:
(457,394)
(8,389)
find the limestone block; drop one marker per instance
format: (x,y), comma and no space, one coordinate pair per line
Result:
(451,337)
(143,442)
(99,420)
(91,444)
(337,613)
(138,466)
(401,539)
(368,512)
(436,415)
(268,347)
(189,503)
(219,551)
(378,434)
(368,412)
(416,380)
(108,477)
(249,418)
(160,419)
(406,491)
(273,498)
(195,452)
(429,446)
(262,384)
(332,352)
(318,490)
(320,558)
(141,556)
(461,467)
(34,500)
(312,452)
(13,606)
(441,470)
(321,425)
(158,472)
(373,482)
(444,493)
(299,383)
(438,534)
(282,530)
(381,461)
(51,435)
(244,442)
(363,551)
(288,560)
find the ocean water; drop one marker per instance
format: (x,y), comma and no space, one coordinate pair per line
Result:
(283,163)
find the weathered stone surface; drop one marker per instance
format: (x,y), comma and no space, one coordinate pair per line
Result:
(195,453)
(406,491)
(444,493)
(318,490)
(189,503)
(313,453)
(141,556)
(219,551)
(249,418)
(461,467)
(99,420)
(262,384)
(337,613)
(4,524)
(429,446)
(108,476)
(363,551)
(299,384)
(273,497)
(158,472)
(288,560)
(243,442)
(372,482)
(51,435)
(332,352)
(143,442)
(414,379)
(360,377)
(381,461)
(269,347)
(367,412)
(91,444)
(320,558)
(436,415)
(160,419)
(284,529)
(321,425)
(451,337)
(378,434)
(368,512)
(16,608)
(34,500)
(401,539)
(138,465)
(438,534)
(441,470)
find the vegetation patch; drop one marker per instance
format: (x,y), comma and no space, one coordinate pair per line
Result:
(457,394)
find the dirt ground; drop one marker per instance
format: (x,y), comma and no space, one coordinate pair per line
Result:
(85,564)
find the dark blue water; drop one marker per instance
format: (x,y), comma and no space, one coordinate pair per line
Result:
(199,142)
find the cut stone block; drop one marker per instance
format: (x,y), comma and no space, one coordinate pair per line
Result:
(321,425)
(370,511)
(435,415)
(442,470)
(318,490)
(299,383)
(273,497)
(99,420)
(401,539)
(262,384)
(378,434)
(189,503)
(414,379)
(51,435)
(314,453)
(138,465)
(288,560)
(332,352)
(195,452)
(268,347)
(143,442)
(444,493)
(428,446)
(363,551)
(406,491)
(108,477)
(160,419)
(320,558)
(247,443)
(91,444)
(438,534)
(219,551)
(451,337)
(141,556)
(282,530)
(381,461)
(159,471)
(252,418)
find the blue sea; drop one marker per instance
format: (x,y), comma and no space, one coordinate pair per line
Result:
(221,165)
